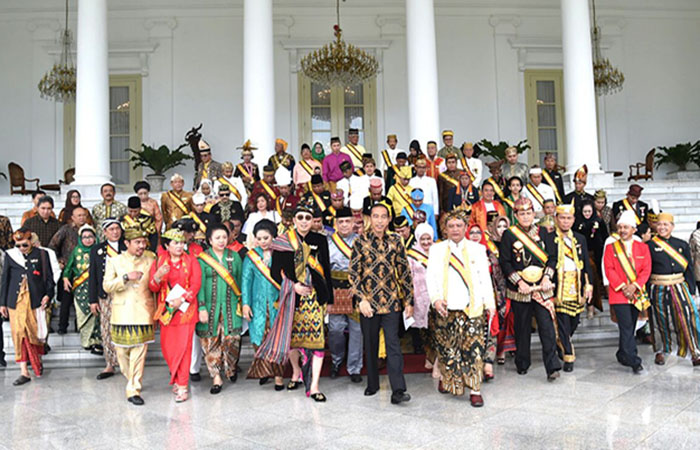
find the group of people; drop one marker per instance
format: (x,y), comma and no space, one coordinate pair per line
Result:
(338,252)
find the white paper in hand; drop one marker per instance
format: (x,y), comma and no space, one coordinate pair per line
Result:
(408,321)
(177,291)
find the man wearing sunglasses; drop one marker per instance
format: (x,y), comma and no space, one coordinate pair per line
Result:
(226,207)
(27,284)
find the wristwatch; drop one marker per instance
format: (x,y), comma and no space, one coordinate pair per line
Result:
(125,277)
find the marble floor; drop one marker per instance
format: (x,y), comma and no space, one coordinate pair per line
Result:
(600,405)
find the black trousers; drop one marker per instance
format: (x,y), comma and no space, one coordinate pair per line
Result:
(66,300)
(567,326)
(522,325)
(627,346)
(394,359)
(2,341)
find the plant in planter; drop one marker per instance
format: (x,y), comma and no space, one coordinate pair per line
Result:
(159,160)
(498,151)
(679,155)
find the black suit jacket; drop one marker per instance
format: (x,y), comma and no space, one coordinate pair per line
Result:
(454,200)
(581,252)
(558,182)
(36,268)
(98,261)
(640,208)
(283,262)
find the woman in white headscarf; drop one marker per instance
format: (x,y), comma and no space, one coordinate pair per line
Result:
(418,261)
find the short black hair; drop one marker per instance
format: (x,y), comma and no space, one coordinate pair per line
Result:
(216,226)
(35,194)
(515,177)
(45,199)
(142,185)
(265,225)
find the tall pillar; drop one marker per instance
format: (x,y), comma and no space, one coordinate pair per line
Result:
(92,95)
(258,77)
(579,92)
(421,55)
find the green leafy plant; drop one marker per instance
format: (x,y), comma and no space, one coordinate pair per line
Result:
(679,155)
(159,160)
(498,151)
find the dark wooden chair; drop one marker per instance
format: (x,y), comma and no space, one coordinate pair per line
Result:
(69,177)
(647,166)
(18,181)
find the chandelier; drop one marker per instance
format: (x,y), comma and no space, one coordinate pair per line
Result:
(58,84)
(339,63)
(607,79)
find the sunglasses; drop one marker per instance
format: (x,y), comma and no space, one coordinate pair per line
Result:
(475,232)
(224,195)
(304,217)
(25,245)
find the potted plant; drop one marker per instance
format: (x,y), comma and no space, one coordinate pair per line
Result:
(679,155)
(498,151)
(159,160)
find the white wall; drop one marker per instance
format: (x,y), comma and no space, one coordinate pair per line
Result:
(192,54)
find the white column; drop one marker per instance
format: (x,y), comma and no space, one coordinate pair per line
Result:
(258,78)
(421,55)
(92,96)
(579,92)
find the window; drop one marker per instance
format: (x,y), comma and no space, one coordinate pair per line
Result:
(124,128)
(544,113)
(326,112)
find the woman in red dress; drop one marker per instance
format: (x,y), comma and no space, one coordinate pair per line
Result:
(177,316)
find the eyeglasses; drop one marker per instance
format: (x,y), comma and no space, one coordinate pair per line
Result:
(475,232)
(24,245)
(224,195)
(304,217)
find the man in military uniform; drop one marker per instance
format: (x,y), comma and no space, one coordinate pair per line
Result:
(353,149)
(537,191)
(579,195)
(176,202)
(226,207)
(552,177)
(319,196)
(208,168)
(448,138)
(266,186)
(632,203)
(448,179)
(139,217)
(529,271)
(513,168)
(247,170)
(674,310)
(572,279)
(473,166)
(281,157)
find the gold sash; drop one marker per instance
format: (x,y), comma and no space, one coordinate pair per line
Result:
(535,193)
(531,245)
(221,270)
(81,279)
(449,179)
(312,262)
(630,208)
(111,252)
(178,202)
(670,251)
(342,245)
(417,256)
(200,222)
(640,301)
(550,181)
(500,193)
(467,169)
(233,189)
(306,166)
(355,152)
(262,268)
(268,189)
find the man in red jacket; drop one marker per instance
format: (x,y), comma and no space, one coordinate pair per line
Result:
(627,267)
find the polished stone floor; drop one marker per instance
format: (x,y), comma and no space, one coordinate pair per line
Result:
(600,405)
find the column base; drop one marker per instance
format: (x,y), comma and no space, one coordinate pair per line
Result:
(600,180)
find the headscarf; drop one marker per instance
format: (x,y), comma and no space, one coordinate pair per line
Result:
(483,236)
(86,229)
(68,208)
(317,156)
(493,228)
(421,229)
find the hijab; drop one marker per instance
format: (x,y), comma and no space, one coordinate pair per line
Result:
(317,156)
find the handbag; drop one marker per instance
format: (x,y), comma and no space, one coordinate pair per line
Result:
(42,329)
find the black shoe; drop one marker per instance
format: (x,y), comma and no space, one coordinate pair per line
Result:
(3,363)
(136,400)
(334,373)
(62,332)
(568,367)
(104,375)
(263,380)
(553,376)
(279,387)
(234,377)
(369,392)
(522,371)
(195,377)
(96,351)
(21,380)
(215,389)
(356,378)
(637,369)
(294,385)
(399,397)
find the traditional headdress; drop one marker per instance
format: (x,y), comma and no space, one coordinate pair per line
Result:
(511,151)
(175,235)
(581,174)
(203,146)
(523,204)
(282,142)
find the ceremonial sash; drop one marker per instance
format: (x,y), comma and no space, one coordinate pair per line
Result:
(490,244)
(178,201)
(467,169)
(629,207)
(411,210)
(260,265)
(550,181)
(568,251)
(223,180)
(242,168)
(355,152)
(640,301)
(670,251)
(311,261)
(403,194)
(500,193)
(527,241)
(130,222)
(342,245)
(387,161)
(200,222)
(535,193)
(418,256)
(221,270)
(307,167)
(449,179)
(457,265)
(278,205)
(359,172)
(81,279)
(317,199)
(268,189)
(111,252)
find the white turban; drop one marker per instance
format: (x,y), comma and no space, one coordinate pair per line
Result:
(356,201)
(628,218)
(535,171)
(423,228)
(282,176)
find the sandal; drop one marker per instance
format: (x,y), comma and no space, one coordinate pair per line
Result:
(181,396)
(318,397)
(292,385)
(501,360)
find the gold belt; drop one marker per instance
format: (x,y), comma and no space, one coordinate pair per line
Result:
(339,275)
(532,274)
(667,280)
